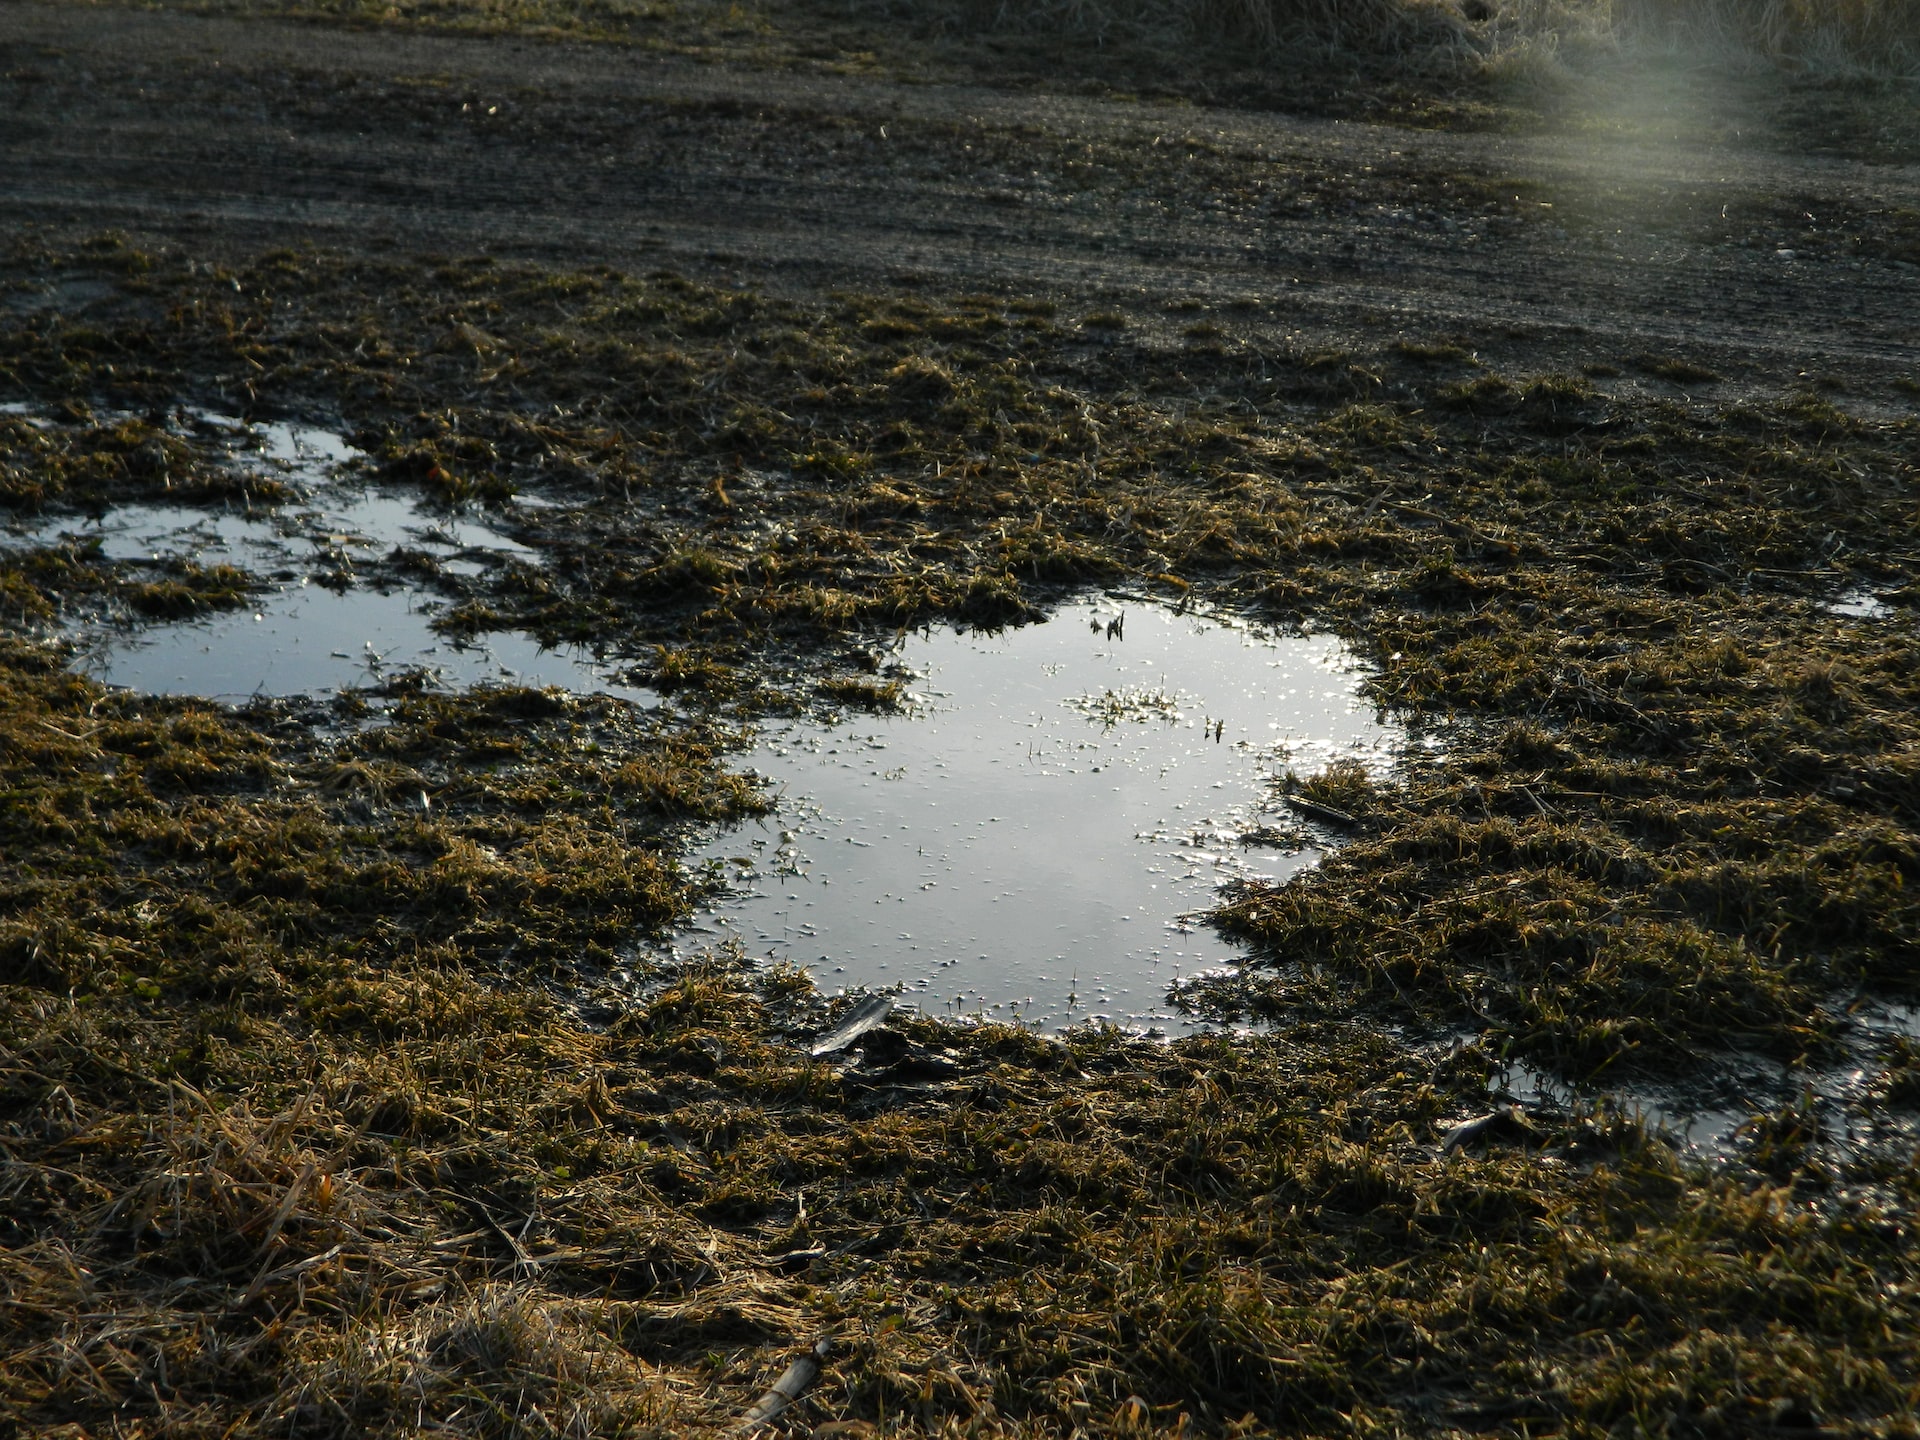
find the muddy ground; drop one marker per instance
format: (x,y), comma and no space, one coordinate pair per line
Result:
(328,1107)
(1647,213)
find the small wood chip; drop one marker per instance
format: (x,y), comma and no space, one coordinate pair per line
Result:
(1325,813)
(868,1014)
(787,1389)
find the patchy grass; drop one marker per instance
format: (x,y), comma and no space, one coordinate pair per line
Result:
(299,1138)
(331,1108)
(85,461)
(1612,605)
(42,583)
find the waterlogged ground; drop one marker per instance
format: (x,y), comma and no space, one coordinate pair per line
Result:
(1565,1083)
(1040,835)
(1838,1101)
(1659,852)
(336,600)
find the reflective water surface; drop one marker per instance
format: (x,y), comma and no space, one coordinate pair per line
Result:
(1860,603)
(1032,837)
(316,627)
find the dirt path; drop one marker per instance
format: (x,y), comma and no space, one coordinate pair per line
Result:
(1599,242)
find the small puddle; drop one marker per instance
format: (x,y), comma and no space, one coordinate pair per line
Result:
(1035,837)
(304,639)
(1707,1115)
(316,629)
(1704,1123)
(1859,604)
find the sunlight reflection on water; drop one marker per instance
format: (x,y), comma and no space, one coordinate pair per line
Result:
(1028,840)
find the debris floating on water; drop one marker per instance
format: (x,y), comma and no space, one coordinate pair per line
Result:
(1316,811)
(1507,1123)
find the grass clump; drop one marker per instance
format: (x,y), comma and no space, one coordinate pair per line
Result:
(1679,371)
(1433,351)
(40,584)
(859,692)
(82,461)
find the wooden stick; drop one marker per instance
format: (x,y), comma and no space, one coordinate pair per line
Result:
(1325,813)
(787,1389)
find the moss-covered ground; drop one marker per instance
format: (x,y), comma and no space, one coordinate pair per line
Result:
(324,1113)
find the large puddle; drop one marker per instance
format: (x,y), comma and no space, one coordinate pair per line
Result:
(1033,838)
(317,627)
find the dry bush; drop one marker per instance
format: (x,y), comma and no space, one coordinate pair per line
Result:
(1818,35)
(1537,40)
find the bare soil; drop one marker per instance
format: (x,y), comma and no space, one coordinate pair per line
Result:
(1650,213)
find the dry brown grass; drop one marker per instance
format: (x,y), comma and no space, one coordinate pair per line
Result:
(1818,35)
(314,1121)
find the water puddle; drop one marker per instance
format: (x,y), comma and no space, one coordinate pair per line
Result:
(1033,838)
(1711,1116)
(304,639)
(1859,604)
(318,627)
(1704,1121)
